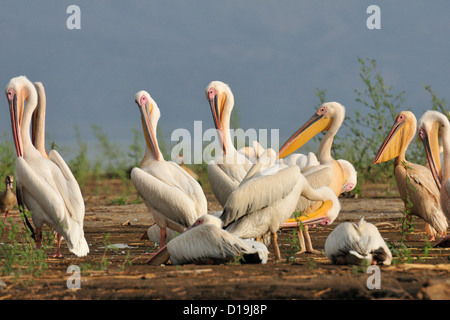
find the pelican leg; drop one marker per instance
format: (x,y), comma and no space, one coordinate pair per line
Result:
(429,232)
(308,242)
(57,254)
(301,240)
(38,238)
(162,241)
(276,248)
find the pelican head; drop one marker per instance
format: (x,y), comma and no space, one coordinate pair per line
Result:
(18,90)
(150,115)
(207,219)
(328,117)
(398,139)
(221,101)
(432,125)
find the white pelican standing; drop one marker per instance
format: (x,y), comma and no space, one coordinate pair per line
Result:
(173,197)
(268,196)
(432,126)
(229,167)
(329,172)
(205,242)
(47,186)
(415,182)
(354,243)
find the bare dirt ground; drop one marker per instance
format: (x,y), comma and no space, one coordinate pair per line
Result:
(306,276)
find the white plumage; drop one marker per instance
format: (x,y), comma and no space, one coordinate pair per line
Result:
(268,196)
(173,197)
(206,242)
(229,167)
(46,185)
(351,243)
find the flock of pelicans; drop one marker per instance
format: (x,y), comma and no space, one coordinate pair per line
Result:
(259,190)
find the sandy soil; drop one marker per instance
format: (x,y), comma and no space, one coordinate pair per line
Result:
(305,276)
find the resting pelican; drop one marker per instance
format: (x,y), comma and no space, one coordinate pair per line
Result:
(47,186)
(229,167)
(205,242)
(7,198)
(173,197)
(351,243)
(415,182)
(433,125)
(267,196)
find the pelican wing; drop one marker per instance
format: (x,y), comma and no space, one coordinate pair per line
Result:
(68,187)
(191,186)
(416,184)
(40,190)
(318,176)
(345,239)
(260,192)
(170,200)
(206,242)
(223,184)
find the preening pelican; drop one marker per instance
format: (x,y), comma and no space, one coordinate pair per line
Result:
(7,198)
(432,126)
(38,121)
(46,185)
(415,182)
(172,196)
(267,196)
(205,242)
(229,167)
(351,243)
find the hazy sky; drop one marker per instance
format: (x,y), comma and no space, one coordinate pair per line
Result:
(273,54)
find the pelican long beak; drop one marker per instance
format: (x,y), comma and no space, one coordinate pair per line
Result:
(320,216)
(215,103)
(431,144)
(149,132)
(317,123)
(392,144)
(15,121)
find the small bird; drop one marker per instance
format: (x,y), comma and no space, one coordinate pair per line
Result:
(354,243)
(7,198)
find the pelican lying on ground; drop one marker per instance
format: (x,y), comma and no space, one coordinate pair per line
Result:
(205,242)
(7,198)
(229,167)
(351,243)
(415,182)
(46,186)
(267,196)
(173,197)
